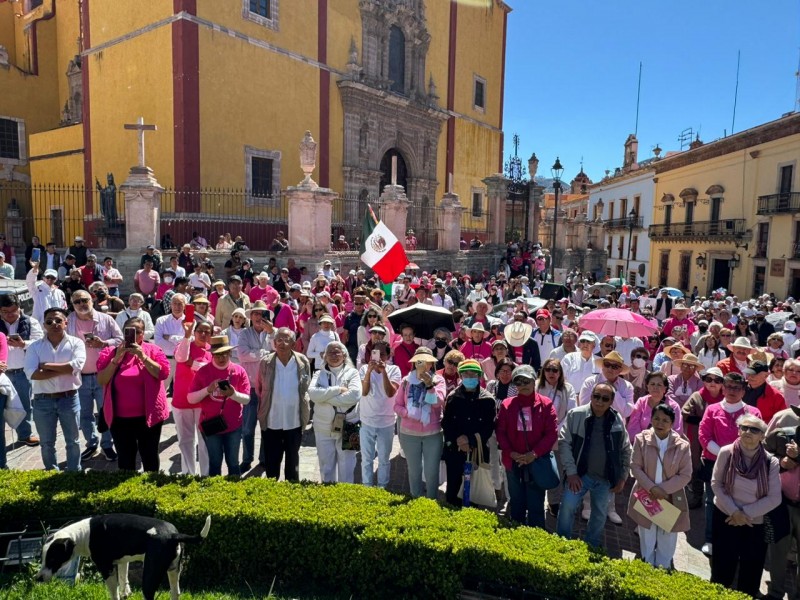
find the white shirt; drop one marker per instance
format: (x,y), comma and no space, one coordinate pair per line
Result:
(16,356)
(446,302)
(623,398)
(377,409)
(171,327)
(625,347)
(70,350)
(129,313)
(199,280)
(576,369)
(44,296)
(319,341)
(50,261)
(547,342)
(284,412)
(662,450)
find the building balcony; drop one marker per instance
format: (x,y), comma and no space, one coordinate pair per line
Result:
(624,223)
(776,204)
(726,230)
(760,249)
(796,250)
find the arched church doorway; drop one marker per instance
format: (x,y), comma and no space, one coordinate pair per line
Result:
(386,170)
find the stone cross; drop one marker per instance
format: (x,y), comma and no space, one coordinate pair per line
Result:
(394,170)
(140,128)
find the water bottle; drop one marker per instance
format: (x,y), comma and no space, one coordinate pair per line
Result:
(467,477)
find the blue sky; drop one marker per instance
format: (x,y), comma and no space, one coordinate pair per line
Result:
(572,70)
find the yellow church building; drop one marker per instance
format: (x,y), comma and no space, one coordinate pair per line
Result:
(728,214)
(232,85)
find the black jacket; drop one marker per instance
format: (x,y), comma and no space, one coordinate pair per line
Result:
(468,413)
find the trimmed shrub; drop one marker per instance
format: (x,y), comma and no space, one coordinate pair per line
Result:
(347,539)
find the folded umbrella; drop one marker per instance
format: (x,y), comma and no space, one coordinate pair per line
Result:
(617,322)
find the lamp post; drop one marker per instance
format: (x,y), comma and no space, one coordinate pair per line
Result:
(557,170)
(631,223)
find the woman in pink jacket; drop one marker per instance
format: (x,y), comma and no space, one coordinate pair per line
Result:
(418,402)
(134,400)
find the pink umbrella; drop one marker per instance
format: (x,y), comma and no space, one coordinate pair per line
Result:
(617,322)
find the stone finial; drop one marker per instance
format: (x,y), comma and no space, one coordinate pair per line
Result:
(533,165)
(433,94)
(354,69)
(308,160)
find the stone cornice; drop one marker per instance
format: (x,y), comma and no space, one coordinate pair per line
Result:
(389,99)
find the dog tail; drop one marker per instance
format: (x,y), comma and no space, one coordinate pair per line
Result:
(183,537)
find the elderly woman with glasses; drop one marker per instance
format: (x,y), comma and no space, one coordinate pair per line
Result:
(440,345)
(527,429)
(718,429)
(449,372)
(418,402)
(746,486)
(657,386)
(135,401)
(377,333)
(789,384)
(335,391)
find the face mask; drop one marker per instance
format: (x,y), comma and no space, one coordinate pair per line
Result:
(703,328)
(471,383)
(101,295)
(441,343)
(167,279)
(638,363)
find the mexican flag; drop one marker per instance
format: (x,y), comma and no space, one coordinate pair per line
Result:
(381,251)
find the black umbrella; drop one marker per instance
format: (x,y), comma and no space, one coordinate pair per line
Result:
(424,318)
(554,291)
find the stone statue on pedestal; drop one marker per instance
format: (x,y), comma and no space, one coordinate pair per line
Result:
(108,200)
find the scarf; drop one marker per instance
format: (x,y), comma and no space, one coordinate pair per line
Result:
(708,398)
(417,408)
(758,469)
(636,377)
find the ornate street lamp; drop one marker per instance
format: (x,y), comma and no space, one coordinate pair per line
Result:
(631,223)
(557,170)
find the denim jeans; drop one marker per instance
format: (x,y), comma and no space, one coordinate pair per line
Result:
(249,424)
(91,393)
(376,441)
(571,502)
(3,458)
(526,501)
(49,412)
(226,444)
(423,452)
(22,384)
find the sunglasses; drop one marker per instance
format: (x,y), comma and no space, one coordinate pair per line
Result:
(454,363)
(518,381)
(559,318)
(358,303)
(81,301)
(53,321)
(372,316)
(750,429)
(602,398)
(712,379)
(610,365)
(551,370)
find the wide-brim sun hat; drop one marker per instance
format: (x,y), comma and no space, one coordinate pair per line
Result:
(742,343)
(614,357)
(689,359)
(517,333)
(220,344)
(423,354)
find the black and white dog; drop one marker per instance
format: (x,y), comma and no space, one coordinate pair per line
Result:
(113,541)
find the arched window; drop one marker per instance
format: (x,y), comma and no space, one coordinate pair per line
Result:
(397,59)
(386,170)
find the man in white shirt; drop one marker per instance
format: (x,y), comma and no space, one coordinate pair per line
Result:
(578,366)
(545,336)
(135,309)
(45,293)
(169,332)
(6,270)
(51,259)
(439,297)
(54,364)
(327,270)
(21,331)
(379,383)
(111,276)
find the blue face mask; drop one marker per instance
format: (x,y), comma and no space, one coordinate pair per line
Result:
(471,383)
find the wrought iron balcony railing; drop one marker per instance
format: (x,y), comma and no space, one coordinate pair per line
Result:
(718,231)
(760,250)
(624,223)
(775,204)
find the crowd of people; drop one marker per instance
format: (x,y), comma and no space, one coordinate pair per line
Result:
(701,411)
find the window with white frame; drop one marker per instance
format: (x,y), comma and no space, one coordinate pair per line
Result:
(479,94)
(13,149)
(263,12)
(262,176)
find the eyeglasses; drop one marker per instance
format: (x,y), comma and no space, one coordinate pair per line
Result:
(518,381)
(551,370)
(608,345)
(358,303)
(372,316)
(724,335)
(53,321)
(734,388)
(602,398)
(202,332)
(454,363)
(610,365)
(559,318)
(750,429)
(585,342)
(712,379)
(81,301)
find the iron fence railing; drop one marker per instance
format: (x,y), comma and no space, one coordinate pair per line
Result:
(787,202)
(723,230)
(624,223)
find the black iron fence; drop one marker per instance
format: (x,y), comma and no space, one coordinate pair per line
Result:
(786,202)
(60,212)
(723,230)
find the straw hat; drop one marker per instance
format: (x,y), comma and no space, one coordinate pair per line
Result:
(326,319)
(677,347)
(517,333)
(477,327)
(689,359)
(257,306)
(743,343)
(220,345)
(613,357)
(423,354)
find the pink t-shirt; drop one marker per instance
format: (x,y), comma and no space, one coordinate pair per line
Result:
(184,375)
(129,388)
(477,351)
(211,406)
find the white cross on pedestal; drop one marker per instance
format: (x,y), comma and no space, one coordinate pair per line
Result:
(394,170)
(140,128)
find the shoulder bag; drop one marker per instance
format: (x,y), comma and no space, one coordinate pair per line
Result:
(481,488)
(215,425)
(542,472)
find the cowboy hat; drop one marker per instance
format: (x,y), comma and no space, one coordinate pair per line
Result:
(613,357)
(258,306)
(220,345)
(517,333)
(477,327)
(689,359)
(743,343)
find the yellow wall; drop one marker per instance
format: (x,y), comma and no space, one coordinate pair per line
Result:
(744,178)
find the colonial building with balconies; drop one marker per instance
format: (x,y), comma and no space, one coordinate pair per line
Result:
(727,213)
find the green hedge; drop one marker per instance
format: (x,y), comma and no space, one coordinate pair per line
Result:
(347,539)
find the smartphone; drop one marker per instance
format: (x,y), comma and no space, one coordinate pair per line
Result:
(223,384)
(376,355)
(16,337)
(36,255)
(88,336)
(130,337)
(189,312)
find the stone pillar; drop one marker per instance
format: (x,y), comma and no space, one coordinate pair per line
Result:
(536,192)
(394,210)
(142,209)
(450,223)
(310,214)
(497,186)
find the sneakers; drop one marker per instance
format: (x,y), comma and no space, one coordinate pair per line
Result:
(586,513)
(31,441)
(89,453)
(706,549)
(109,454)
(614,517)
(245,467)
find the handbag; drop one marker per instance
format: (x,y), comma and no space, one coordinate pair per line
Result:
(481,488)
(215,425)
(543,471)
(13,411)
(351,436)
